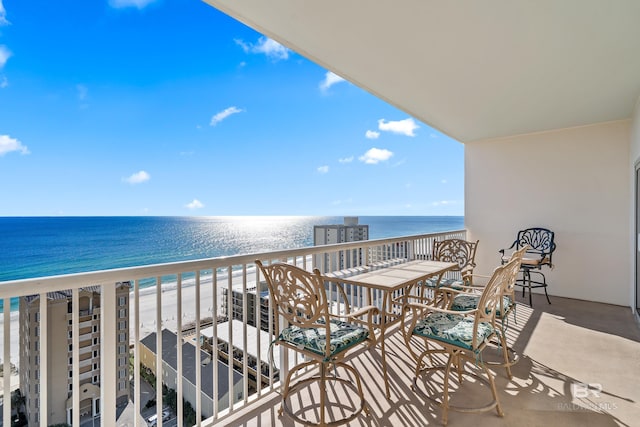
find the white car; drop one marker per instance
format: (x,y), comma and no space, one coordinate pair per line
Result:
(152,420)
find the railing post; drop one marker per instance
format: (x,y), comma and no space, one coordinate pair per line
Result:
(108,355)
(198,367)
(159,359)
(6,415)
(43,379)
(75,343)
(136,353)
(179,358)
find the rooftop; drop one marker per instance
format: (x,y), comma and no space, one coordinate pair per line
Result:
(169,355)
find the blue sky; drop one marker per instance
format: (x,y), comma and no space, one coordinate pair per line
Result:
(169,107)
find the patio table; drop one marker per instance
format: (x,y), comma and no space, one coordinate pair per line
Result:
(394,283)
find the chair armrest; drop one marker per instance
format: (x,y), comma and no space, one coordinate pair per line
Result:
(463,289)
(484,276)
(369,309)
(423,307)
(510,247)
(447,294)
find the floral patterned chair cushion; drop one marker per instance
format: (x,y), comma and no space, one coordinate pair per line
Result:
(343,336)
(454,329)
(451,283)
(465,301)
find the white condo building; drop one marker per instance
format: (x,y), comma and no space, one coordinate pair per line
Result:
(331,234)
(60,354)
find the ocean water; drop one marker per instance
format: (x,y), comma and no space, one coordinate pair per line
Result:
(45,246)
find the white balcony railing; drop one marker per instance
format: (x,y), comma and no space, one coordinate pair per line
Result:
(186,298)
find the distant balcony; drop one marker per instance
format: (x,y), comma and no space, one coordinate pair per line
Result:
(84,363)
(567,343)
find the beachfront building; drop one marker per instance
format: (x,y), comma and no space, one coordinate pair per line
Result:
(257,305)
(60,354)
(331,234)
(189,365)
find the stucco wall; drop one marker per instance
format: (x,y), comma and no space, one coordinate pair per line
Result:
(634,159)
(574,181)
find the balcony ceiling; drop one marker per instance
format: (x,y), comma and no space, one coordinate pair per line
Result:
(471,69)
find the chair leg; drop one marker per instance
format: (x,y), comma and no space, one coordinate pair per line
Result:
(544,280)
(493,390)
(529,286)
(505,354)
(459,366)
(445,398)
(323,392)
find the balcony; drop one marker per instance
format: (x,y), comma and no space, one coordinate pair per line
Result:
(564,346)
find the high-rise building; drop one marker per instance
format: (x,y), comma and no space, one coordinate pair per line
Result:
(60,354)
(257,305)
(350,231)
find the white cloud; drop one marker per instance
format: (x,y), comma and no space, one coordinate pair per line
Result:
(376,155)
(346,160)
(245,46)
(329,80)
(120,4)
(372,134)
(3,82)
(5,54)
(195,204)
(218,117)
(403,127)
(342,202)
(3,15)
(444,181)
(8,144)
(444,202)
(323,169)
(138,178)
(269,47)
(82,92)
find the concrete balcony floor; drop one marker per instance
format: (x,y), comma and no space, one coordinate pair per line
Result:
(562,347)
